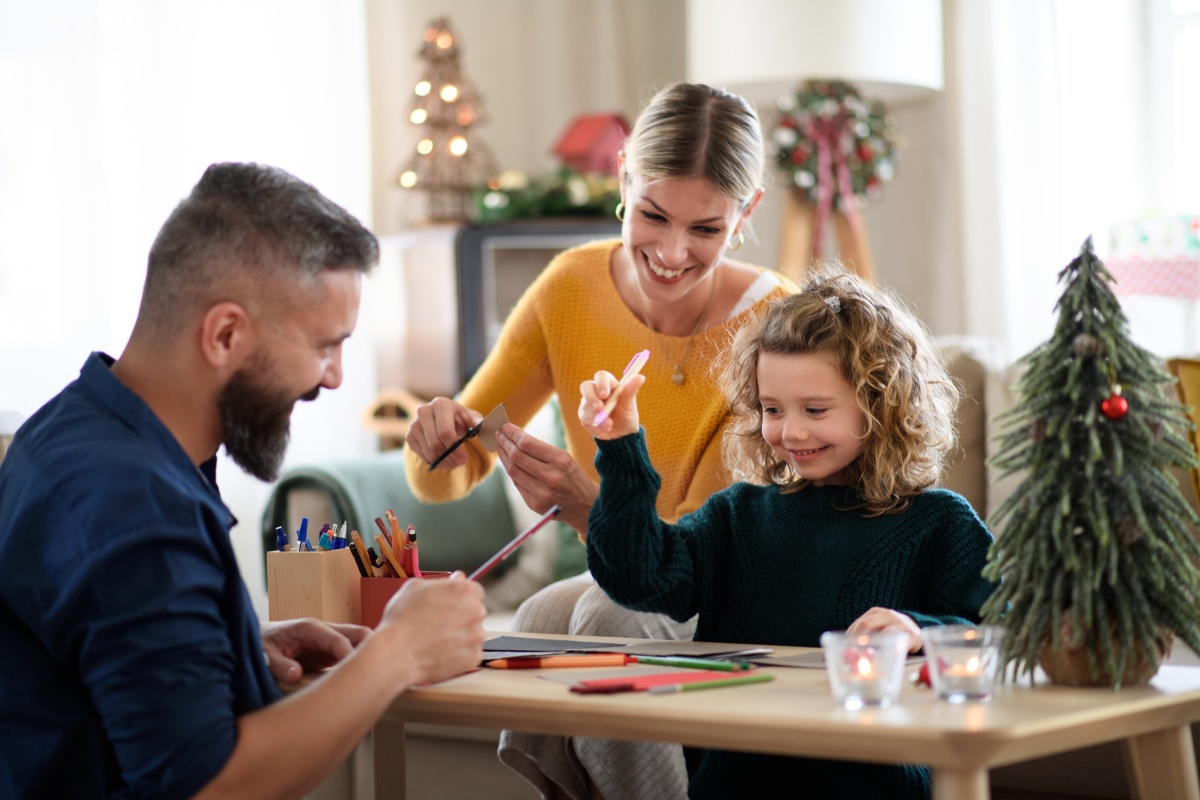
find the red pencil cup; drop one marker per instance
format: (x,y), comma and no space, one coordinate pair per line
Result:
(374,594)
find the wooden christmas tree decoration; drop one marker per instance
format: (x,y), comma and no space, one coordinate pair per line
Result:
(1095,548)
(450,160)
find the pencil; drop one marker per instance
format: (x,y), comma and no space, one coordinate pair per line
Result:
(364,552)
(503,552)
(667,688)
(386,551)
(358,561)
(581,660)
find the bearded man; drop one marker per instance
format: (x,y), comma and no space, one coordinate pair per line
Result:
(132,660)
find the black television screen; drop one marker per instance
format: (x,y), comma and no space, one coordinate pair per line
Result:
(496,263)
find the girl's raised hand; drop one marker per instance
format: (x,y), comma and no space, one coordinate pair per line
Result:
(880,620)
(601,393)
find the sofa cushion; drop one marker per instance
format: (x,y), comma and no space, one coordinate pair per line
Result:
(979,367)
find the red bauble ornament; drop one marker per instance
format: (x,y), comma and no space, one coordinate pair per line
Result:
(1114,406)
(923,675)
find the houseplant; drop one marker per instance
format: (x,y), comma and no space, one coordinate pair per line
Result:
(1094,550)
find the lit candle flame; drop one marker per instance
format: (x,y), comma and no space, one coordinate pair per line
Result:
(864,666)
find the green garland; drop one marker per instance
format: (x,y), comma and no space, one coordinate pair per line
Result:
(511,195)
(866,138)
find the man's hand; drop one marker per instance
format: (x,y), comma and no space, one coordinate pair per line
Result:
(297,645)
(545,475)
(439,625)
(879,620)
(439,424)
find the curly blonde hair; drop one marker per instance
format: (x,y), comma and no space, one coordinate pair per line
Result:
(886,355)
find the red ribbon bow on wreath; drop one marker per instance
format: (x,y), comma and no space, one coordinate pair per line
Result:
(835,147)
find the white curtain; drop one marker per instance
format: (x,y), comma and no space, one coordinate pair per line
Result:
(110,110)
(1056,144)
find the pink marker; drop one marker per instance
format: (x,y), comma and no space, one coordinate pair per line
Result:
(632,368)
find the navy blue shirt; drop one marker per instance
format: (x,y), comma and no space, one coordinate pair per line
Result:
(128,644)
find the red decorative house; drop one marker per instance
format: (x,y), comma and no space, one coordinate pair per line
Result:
(591,143)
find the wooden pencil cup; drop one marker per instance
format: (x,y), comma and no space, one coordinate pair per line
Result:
(323,584)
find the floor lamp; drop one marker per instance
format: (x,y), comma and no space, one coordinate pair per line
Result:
(891,50)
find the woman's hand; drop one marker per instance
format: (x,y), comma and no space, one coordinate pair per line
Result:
(622,419)
(882,620)
(545,475)
(439,424)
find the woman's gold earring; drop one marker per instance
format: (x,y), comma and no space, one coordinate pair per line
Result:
(741,240)
(620,212)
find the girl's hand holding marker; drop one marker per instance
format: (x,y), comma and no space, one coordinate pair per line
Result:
(607,409)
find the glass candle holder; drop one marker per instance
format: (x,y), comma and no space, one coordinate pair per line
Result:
(865,669)
(964,661)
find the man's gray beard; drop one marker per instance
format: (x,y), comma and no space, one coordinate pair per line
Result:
(255,423)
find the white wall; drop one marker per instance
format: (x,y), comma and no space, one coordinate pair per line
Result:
(109,113)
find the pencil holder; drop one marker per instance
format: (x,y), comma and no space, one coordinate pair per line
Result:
(374,594)
(322,585)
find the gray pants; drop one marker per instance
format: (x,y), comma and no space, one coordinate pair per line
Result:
(618,769)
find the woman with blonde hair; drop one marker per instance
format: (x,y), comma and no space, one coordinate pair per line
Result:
(691,175)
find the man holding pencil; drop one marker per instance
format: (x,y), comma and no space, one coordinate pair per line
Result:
(133,664)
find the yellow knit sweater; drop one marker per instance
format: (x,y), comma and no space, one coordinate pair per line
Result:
(570,323)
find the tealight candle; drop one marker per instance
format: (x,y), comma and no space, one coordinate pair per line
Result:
(964,661)
(865,669)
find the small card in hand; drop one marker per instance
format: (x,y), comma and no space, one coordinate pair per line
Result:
(488,426)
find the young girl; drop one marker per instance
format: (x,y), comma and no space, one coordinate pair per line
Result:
(842,417)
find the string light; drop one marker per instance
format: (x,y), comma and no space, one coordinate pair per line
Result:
(450,162)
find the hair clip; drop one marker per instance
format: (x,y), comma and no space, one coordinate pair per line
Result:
(834,303)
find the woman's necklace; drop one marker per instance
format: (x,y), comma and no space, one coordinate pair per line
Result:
(677,376)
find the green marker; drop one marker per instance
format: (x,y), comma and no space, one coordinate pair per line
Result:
(687,687)
(698,663)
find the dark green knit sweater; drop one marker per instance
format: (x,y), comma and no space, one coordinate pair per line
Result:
(762,567)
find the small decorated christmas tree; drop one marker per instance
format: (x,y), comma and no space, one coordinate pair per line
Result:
(1095,548)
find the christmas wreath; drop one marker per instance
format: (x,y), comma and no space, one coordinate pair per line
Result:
(832,143)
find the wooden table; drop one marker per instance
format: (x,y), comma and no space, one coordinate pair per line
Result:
(796,715)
